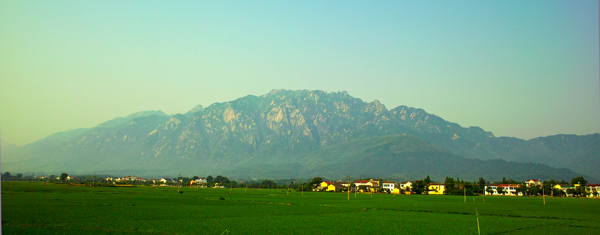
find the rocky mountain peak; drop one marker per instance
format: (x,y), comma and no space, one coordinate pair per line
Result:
(197,108)
(278,128)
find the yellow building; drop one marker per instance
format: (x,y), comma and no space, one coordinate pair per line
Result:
(436,188)
(336,187)
(322,186)
(533,182)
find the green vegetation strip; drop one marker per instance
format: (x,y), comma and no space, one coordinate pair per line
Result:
(37,208)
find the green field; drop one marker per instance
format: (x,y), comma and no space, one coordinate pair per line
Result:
(37,208)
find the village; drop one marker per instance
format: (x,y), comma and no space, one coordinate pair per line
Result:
(531,187)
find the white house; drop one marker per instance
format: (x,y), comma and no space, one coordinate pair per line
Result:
(164,180)
(533,182)
(200,181)
(591,188)
(507,189)
(359,183)
(390,185)
(406,186)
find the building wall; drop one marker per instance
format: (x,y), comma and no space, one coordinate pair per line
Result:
(433,188)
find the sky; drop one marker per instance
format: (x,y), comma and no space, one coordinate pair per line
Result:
(523,69)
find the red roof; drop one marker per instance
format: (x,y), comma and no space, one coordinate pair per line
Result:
(361,181)
(593,185)
(328,182)
(388,182)
(533,180)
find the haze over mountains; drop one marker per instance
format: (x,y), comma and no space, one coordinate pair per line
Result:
(288,134)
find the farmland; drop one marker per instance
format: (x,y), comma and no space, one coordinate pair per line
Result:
(38,208)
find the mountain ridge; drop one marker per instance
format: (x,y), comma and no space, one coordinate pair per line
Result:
(278,128)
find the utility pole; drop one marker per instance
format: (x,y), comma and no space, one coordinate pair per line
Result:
(484,193)
(179,182)
(355,189)
(543,194)
(348,188)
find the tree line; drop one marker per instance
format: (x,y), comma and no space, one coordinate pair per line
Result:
(452,186)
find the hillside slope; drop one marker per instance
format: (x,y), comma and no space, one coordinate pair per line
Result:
(278,128)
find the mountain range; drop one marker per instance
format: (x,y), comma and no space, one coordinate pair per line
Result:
(289,134)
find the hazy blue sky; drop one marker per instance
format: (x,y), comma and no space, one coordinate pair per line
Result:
(516,68)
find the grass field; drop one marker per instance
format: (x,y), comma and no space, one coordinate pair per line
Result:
(37,208)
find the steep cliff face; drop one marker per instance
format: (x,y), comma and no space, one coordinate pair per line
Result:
(278,128)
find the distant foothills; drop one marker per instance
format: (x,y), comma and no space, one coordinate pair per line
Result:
(302,134)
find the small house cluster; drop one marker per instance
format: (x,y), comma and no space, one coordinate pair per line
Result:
(377,186)
(513,189)
(162,181)
(374,186)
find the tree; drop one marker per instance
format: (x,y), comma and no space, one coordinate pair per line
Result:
(534,190)
(579,180)
(268,184)
(6,175)
(449,186)
(63,177)
(522,189)
(572,191)
(546,188)
(209,179)
(418,187)
(221,180)
(500,190)
(511,181)
(481,182)
(489,190)
(557,192)
(316,180)
(19,175)
(185,181)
